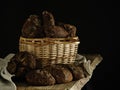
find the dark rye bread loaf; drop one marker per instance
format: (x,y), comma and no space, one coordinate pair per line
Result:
(76,71)
(40,77)
(32,27)
(50,29)
(71,29)
(60,73)
(21,63)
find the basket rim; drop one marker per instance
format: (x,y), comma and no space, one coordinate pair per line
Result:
(51,40)
(76,37)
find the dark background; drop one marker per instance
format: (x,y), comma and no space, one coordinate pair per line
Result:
(94,28)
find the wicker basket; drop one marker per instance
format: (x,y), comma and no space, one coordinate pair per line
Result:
(51,50)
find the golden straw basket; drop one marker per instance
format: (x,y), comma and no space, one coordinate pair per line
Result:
(51,50)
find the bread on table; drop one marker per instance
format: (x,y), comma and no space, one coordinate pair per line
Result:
(60,73)
(25,66)
(40,77)
(21,63)
(76,71)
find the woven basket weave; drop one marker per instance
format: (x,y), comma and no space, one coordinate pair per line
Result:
(51,50)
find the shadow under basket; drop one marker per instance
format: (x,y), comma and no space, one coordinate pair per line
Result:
(51,50)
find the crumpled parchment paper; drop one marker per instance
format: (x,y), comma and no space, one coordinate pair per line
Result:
(6,82)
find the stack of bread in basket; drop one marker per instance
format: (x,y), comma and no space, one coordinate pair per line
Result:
(47,52)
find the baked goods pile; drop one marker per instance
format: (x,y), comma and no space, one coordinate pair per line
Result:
(34,27)
(28,67)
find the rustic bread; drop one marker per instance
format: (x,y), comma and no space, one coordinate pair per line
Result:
(40,77)
(71,29)
(32,27)
(48,19)
(36,28)
(12,67)
(21,63)
(27,67)
(60,73)
(77,71)
(55,32)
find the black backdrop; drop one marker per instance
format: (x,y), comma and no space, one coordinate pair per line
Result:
(94,28)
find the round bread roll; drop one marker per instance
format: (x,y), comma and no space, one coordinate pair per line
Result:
(11,67)
(77,71)
(71,29)
(21,72)
(60,73)
(21,63)
(55,32)
(31,27)
(24,59)
(40,77)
